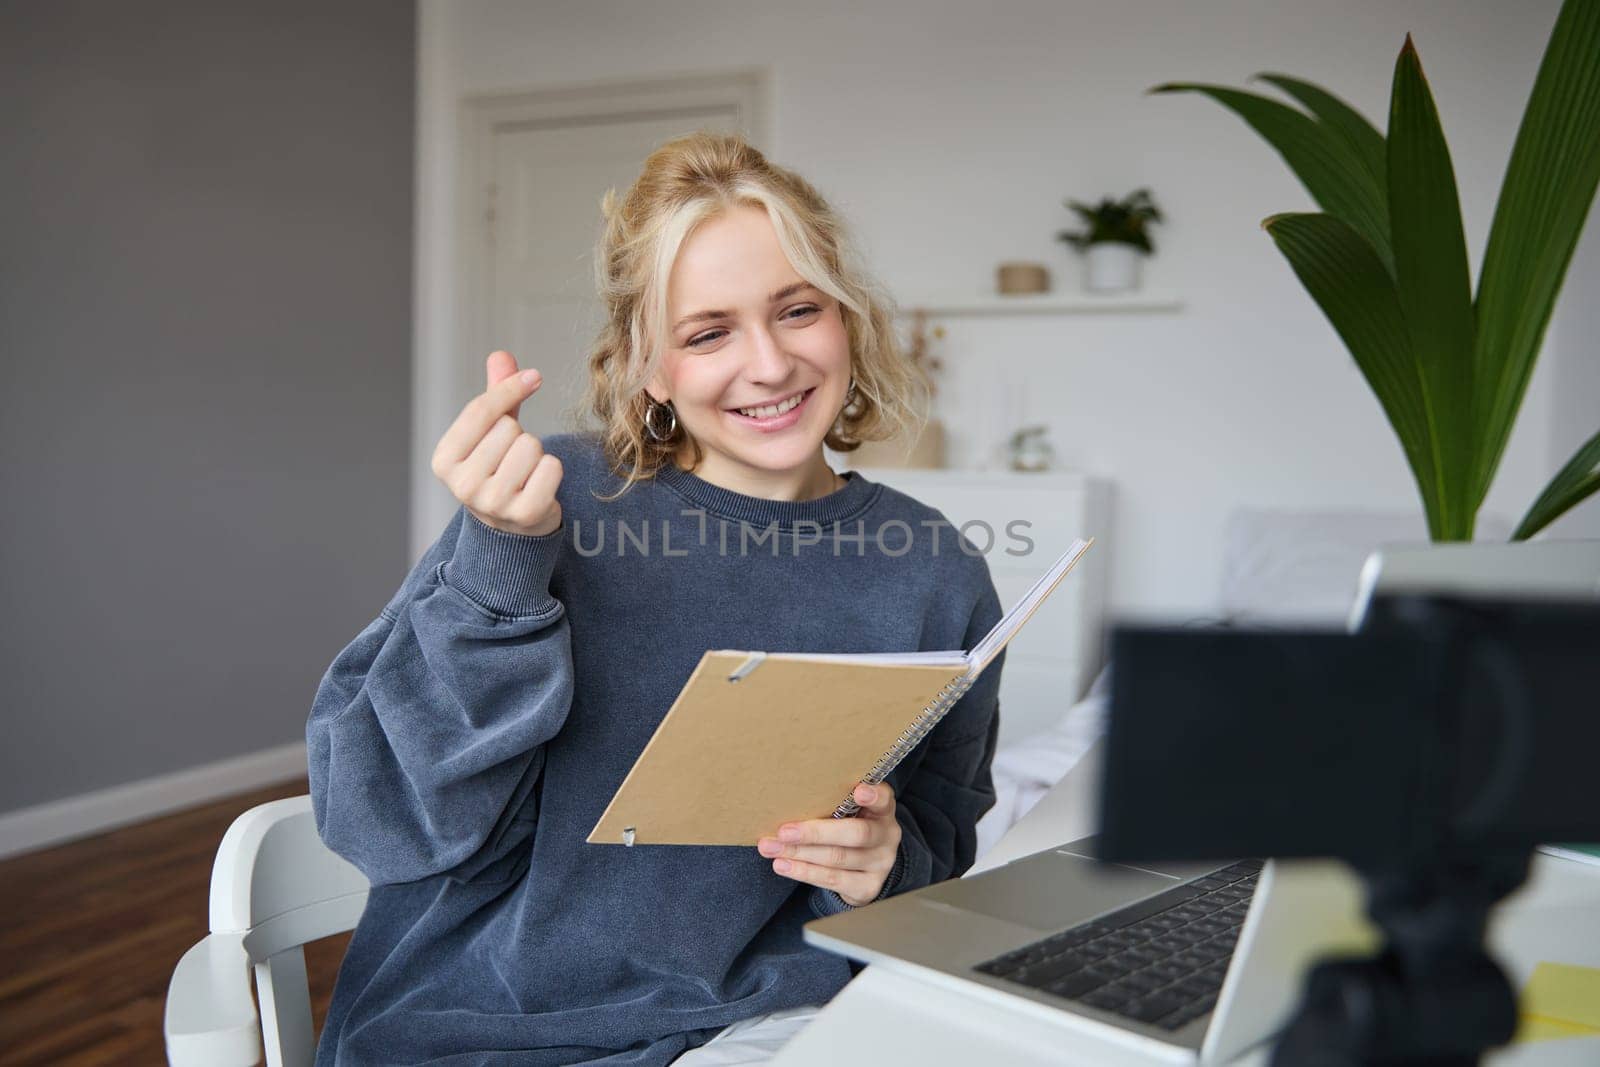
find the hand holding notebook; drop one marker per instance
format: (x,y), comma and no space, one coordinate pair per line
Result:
(703,779)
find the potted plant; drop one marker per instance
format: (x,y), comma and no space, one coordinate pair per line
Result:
(1114,238)
(1386,261)
(1029,449)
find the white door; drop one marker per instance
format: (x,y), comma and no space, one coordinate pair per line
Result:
(546,181)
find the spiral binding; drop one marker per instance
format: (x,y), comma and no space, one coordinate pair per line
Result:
(908,739)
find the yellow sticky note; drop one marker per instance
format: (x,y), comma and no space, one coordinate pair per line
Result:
(1560,1000)
(1532,1028)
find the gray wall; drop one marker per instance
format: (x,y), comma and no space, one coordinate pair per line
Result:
(205,334)
(1573,347)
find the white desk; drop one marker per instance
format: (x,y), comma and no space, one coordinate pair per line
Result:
(888,1017)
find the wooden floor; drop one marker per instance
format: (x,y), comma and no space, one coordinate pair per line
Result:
(90,932)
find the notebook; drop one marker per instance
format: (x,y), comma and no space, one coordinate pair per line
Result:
(757,739)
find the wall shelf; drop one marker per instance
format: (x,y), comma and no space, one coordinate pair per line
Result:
(1144,301)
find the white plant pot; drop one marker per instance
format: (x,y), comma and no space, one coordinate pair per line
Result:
(1111,267)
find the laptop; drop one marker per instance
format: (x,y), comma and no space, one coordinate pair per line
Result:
(1176,962)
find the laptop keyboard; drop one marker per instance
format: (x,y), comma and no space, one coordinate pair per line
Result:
(1160,961)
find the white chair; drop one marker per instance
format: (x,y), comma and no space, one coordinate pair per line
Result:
(274,887)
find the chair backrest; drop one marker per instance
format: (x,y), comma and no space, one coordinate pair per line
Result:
(278,886)
(275,881)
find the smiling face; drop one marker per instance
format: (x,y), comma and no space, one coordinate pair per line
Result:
(747,339)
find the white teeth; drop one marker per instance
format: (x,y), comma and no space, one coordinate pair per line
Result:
(773,409)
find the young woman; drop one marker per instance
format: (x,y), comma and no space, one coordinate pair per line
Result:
(466,742)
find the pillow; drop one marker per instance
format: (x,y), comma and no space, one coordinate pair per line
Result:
(1024,770)
(1282,567)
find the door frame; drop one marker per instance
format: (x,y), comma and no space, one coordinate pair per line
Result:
(452,311)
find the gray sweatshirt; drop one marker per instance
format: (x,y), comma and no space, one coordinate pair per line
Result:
(465,743)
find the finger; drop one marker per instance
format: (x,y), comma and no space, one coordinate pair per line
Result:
(849,884)
(500,366)
(474,472)
(535,508)
(511,474)
(847,837)
(540,489)
(875,799)
(481,413)
(875,858)
(852,833)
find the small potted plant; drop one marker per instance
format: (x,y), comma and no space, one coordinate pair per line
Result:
(1029,449)
(1114,237)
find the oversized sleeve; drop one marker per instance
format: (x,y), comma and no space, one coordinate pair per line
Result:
(425,740)
(944,786)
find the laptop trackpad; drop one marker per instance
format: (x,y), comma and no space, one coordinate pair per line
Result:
(1050,891)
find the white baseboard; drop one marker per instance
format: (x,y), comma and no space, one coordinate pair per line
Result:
(60,821)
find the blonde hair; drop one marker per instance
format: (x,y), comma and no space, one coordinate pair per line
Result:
(683,183)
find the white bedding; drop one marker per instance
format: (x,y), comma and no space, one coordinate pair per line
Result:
(1025,770)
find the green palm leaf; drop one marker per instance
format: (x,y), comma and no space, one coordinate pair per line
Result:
(1579,479)
(1362,136)
(1343,274)
(1434,289)
(1549,185)
(1387,262)
(1332,170)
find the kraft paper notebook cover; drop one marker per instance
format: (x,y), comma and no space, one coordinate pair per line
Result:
(757,739)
